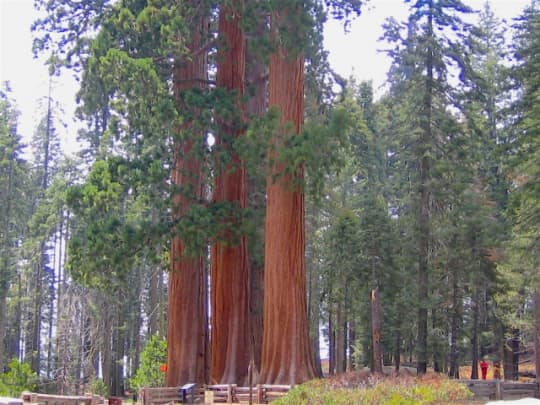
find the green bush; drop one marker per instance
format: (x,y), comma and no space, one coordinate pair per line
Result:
(19,378)
(149,374)
(98,387)
(388,391)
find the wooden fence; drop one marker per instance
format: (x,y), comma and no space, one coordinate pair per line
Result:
(34,398)
(221,393)
(498,389)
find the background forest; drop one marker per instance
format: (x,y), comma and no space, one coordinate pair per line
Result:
(229,179)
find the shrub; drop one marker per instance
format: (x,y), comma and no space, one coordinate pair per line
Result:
(149,373)
(19,378)
(98,387)
(386,391)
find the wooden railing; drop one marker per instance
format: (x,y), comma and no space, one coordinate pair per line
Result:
(46,399)
(220,393)
(498,389)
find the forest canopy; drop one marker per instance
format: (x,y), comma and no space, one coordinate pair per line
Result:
(237,199)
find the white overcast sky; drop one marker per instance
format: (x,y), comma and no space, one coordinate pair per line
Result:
(352,53)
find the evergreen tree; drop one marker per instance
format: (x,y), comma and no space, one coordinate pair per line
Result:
(423,53)
(522,250)
(13,188)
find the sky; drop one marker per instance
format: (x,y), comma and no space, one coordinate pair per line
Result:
(352,53)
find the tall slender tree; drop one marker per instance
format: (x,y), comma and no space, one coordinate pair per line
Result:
(12,189)
(422,58)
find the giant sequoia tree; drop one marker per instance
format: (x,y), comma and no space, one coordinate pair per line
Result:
(230,278)
(286,351)
(187,356)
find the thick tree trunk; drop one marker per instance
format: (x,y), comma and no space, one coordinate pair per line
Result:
(230,344)
(256,106)
(376,332)
(187,359)
(286,352)
(186,331)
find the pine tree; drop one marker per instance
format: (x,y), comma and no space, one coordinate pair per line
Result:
(421,62)
(13,170)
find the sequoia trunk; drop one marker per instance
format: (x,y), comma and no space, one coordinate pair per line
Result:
(286,351)
(230,281)
(256,106)
(187,320)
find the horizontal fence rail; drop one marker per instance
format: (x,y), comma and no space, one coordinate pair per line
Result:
(209,394)
(46,399)
(498,389)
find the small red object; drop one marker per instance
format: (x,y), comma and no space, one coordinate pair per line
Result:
(484,367)
(163,367)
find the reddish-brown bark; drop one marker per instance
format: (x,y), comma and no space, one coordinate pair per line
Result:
(187,320)
(257,79)
(229,279)
(286,351)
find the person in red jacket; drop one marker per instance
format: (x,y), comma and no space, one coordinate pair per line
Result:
(484,368)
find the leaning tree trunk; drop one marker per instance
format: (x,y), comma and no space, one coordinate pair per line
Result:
(229,277)
(187,359)
(286,351)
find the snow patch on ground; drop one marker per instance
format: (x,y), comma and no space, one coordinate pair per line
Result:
(522,401)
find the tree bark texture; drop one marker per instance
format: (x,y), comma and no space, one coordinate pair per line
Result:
(187,359)
(256,106)
(230,342)
(286,351)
